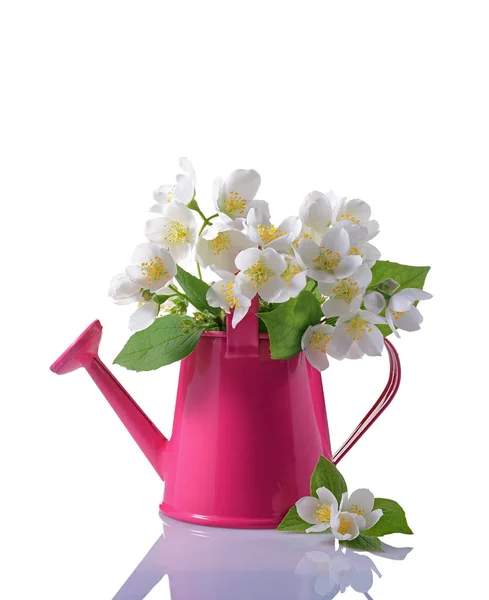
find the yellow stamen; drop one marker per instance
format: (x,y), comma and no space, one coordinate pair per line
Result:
(319,341)
(268,233)
(220,243)
(176,233)
(234,203)
(397,314)
(303,236)
(354,508)
(348,217)
(228,291)
(259,274)
(154,269)
(323,513)
(344,526)
(327,259)
(346,290)
(357,327)
(291,271)
(354,251)
(169,193)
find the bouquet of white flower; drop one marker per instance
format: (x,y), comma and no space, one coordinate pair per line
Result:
(321,286)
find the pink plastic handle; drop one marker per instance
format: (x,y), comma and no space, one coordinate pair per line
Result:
(378,408)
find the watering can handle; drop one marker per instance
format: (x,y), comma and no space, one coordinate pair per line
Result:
(378,408)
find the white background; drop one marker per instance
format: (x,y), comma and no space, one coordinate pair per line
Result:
(385,101)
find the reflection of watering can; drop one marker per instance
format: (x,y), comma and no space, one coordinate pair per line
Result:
(219,564)
(248,430)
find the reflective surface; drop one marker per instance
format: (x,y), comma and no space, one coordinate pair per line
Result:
(215,564)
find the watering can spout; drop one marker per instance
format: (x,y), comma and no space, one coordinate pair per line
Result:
(84,353)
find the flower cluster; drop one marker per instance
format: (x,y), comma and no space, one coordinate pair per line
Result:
(354,514)
(325,250)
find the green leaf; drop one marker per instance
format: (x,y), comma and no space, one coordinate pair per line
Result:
(392,521)
(164,342)
(312,286)
(195,289)
(327,475)
(293,523)
(363,542)
(287,324)
(406,276)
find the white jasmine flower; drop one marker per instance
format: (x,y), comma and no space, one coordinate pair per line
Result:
(260,273)
(370,255)
(344,526)
(358,330)
(226,294)
(401,312)
(181,191)
(295,278)
(316,343)
(330,260)
(219,245)
(234,196)
(152,268)
(175,230)
(316,212)
(361,504)
(124,291)
(318,511)
(354,215)
(345,295)
(261,231)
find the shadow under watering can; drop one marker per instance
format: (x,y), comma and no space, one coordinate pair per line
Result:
(229,564)
(248,430)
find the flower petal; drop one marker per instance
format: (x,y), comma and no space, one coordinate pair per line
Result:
(316,211)
(410,320)
(244,182)
(338,240)
(363,275)
(372,518)
(308,251)
(347,266)
(317,528)
(404,299)
(184,190)
(247,258)
(327,497)
(272,289)
(362,499)
(306,509)
(318,359)
(334,307)
(372,342)
(144,316)
(123,290)
(374,302)
(274,260)
(341,342)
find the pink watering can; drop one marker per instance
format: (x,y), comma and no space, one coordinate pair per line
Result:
(248,430)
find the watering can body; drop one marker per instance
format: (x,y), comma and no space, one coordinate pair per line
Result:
(247,434)
(248,429)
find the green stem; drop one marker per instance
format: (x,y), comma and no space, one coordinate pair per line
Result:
(179,293)
(198,270)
